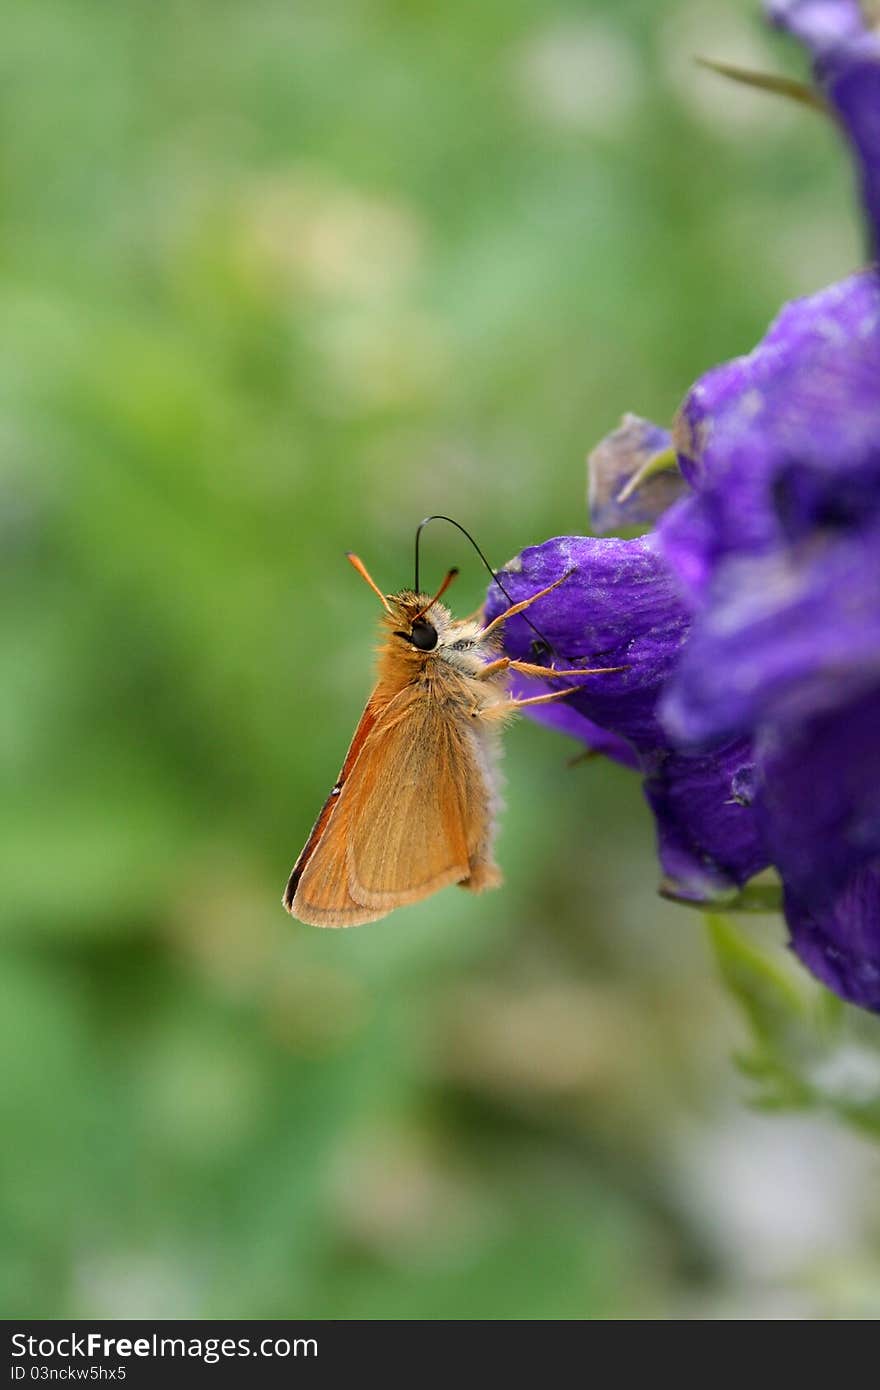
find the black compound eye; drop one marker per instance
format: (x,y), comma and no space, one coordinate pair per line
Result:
(423,635)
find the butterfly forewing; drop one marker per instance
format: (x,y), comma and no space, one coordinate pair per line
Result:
(364,728)
(408,820)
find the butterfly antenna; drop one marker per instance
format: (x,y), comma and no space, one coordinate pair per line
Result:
(439,594)
(364,573)
(458,526)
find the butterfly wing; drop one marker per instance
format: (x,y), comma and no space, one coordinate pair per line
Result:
(365,727)
(410,818)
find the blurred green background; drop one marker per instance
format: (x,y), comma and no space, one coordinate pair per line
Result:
(277,280)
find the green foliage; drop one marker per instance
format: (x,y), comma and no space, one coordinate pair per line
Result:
(808,1050)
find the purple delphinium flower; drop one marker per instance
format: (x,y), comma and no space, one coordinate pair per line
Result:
(778,548)
(750,622)
(620,606)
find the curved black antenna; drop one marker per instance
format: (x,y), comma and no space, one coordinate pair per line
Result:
(436,516)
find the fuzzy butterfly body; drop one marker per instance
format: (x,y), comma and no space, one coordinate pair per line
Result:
(415,805)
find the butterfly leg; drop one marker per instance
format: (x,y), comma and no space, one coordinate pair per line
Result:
(547,673)
(503,709)
(542,699)
(492,668)
(525,603)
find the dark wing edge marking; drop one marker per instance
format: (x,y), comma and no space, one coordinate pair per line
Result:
(361,734)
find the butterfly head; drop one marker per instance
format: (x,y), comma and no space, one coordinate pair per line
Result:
(418,619)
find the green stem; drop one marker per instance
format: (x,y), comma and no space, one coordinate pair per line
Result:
(754,897)
(661,462)
(769,82)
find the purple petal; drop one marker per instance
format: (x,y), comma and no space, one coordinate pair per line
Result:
(847,65)
(619,606)
(783,636)
(614,462)
(841,943)
(819,803)
(819,24)
(706,835)
(784,439)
